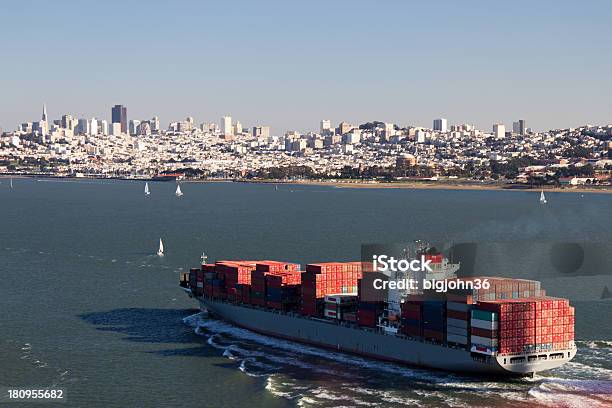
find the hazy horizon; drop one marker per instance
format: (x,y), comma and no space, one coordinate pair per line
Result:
(289,65)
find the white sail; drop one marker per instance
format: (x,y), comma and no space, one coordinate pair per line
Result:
(542,197)
(11,182)
(178,190)
(147,192)
(160,251)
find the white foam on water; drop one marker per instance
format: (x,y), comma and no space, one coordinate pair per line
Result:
(211,342)
(594,343)
(220,327)
(242,367)
(574,368)
(386,396)
(572,393)
(272,387)
(324,394)
(306,402)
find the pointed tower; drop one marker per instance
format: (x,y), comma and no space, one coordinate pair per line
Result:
(44,115)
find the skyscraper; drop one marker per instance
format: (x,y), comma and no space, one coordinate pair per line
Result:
(440,125)
(325,125)
(119,115)
(519,127)
(226,125)
(499,130)
(155,126)
(43,126)
(93,126)
(134,124)
(67,122)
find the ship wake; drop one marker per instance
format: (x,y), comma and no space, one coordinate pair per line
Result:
(310,376)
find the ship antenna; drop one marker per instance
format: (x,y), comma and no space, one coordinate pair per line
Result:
(204,257)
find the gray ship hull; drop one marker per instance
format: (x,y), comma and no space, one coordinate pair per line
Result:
(375,344)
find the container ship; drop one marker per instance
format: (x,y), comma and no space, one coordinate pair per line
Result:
(509,329)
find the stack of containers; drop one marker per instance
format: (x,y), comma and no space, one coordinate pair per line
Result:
(368,313)
(258,288)
(327,279)
(199,291)
(184,282)
(434,320)
(193,279)
(501,288)
(338,306)
(235,272)
(484,325)
(218,286)
(533,325)
(554,324)
(412,318)
(282,290)
(458,322)
(276,266)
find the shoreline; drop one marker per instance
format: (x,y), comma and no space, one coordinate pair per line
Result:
(442,186)
(409,185)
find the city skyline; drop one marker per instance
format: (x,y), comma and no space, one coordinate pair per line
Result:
(118,115)
(289,65)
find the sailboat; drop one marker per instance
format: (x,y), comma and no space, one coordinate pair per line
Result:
(11,182)
(542,198)
(178,193)
(147,192)
(276,187)
(160,251)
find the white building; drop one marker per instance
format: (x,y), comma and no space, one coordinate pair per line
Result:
(325,125)
(115,128)
(499,130)
(238,128)
(103,124)
(226,125)
(440,125)
(389,130)
(92,126)
(261,131)
(155,127)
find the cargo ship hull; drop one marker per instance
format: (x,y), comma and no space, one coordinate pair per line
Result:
(375,344)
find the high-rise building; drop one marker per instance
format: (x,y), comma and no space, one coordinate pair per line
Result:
(499,130)
(155,127)
(134,123)
(440,125)
(344,127)
(238,128)
(83,127)
(389,131)
(261,131)
(92,126)
(145,128)
(115,128)
(325,125)
(519,127)
(226,125)
(67,122)
(119,115)
(103,124)
(43,126)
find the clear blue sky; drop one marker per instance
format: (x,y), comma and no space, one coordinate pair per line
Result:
(289,64)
